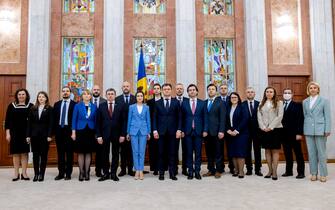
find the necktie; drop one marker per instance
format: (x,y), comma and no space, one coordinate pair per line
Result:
(193,111)
(210,104)
(96,101)
(251,108)
(62,121)
(180,100)
(285,106)
(127,100)
(167,105)
(110,109)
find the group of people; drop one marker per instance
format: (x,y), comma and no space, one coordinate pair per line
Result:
(125,124)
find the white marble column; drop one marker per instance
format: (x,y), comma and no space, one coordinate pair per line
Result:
(186,41)
(38,46)
(113,44)
(255,36)
(322,44)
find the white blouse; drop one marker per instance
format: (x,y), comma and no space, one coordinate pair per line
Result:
(231,115)
(40,110)
(312,100)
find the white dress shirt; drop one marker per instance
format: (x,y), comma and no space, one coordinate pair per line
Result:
(66,111)
(312,100)
(40,110)
(195,101)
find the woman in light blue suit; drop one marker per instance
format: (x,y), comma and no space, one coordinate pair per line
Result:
(138,131)
(83,133)
(317,127)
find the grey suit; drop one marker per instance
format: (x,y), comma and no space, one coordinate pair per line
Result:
(317,123)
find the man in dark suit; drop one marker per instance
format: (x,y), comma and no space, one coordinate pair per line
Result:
(110,127)
(293,121)
(167,130)
(214,143)
(153,145)
(179,96)
(254,139)
(97,100)
(225,99)
(125,100)
(194,126)
(62,113)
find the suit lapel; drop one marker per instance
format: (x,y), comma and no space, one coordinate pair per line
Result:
(317,102)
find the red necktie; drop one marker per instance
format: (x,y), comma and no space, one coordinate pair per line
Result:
(110,109)
(193,111)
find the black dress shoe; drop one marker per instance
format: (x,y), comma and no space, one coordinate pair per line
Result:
(103,178)
(24,178)
(197,176)
(59,177)
(268,176)
(258,173)
(240,176)
(145,172)
(17,178)
(41,178)
(274,178)
(35,178)
(300,176)
(248,173)
(122,173)
(67,178)
(115,178)
(155,173)
(87,177)
(287,174)
(81,177)
(235,175)
(173,177)
(161,177)
(131,173)
(190,176)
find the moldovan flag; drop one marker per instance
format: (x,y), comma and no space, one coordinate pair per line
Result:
(141,76)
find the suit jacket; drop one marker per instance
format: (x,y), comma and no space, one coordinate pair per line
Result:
(293,119)
(270,117)
(167,121)
(101,100)
(138,122)
(110,127)
(151,103)
(318,119)
(79,119)
(216,117)
(226,103)
(240,119)
(199,117)
(120,100)
(57,114)
(40,126)
(253,121)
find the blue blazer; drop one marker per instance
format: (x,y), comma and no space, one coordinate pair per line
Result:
(138,122)
(240,119)
(200,117)
(79,119)
(318,119)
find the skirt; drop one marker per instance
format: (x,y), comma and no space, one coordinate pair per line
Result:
(271,139)
(85,140)
(18,144)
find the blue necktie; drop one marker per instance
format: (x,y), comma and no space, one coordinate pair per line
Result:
(210,105)
(62,121)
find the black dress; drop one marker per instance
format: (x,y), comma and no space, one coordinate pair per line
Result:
(85,140)
(16,122)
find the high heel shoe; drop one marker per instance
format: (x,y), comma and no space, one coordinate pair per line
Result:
(16,179)
(136,177)
(141,175)
(275,178)
(314,178)
(81,177)
(87,177)
(35,178)
(323,179)
(25,178)
(267,176)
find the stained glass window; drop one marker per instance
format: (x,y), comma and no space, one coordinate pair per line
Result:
(219,63)
(78,64)
(79,6)
(154,60)
(218,7)
(150,6)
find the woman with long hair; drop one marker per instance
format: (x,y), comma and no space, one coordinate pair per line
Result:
(16,127)
(270,114)
(39,133)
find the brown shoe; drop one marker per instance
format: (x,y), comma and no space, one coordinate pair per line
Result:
(208,174)
(217,175)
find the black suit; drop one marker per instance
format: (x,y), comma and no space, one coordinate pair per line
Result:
(64,142)
(254,138)
(225,101)
(293,121)
(110,128)
(39,129)
(166,121)
(126,151)
(98,150)
(214,146)
(153,145)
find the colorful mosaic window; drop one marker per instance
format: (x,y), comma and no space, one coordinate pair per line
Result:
(218,7)
(78,64)
(79,6)
(219,63)
(154,59)
(150,6)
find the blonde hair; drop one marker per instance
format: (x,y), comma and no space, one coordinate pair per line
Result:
(310,84)
(87,91)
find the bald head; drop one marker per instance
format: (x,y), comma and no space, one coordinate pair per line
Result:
(96,90)
(126,87)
